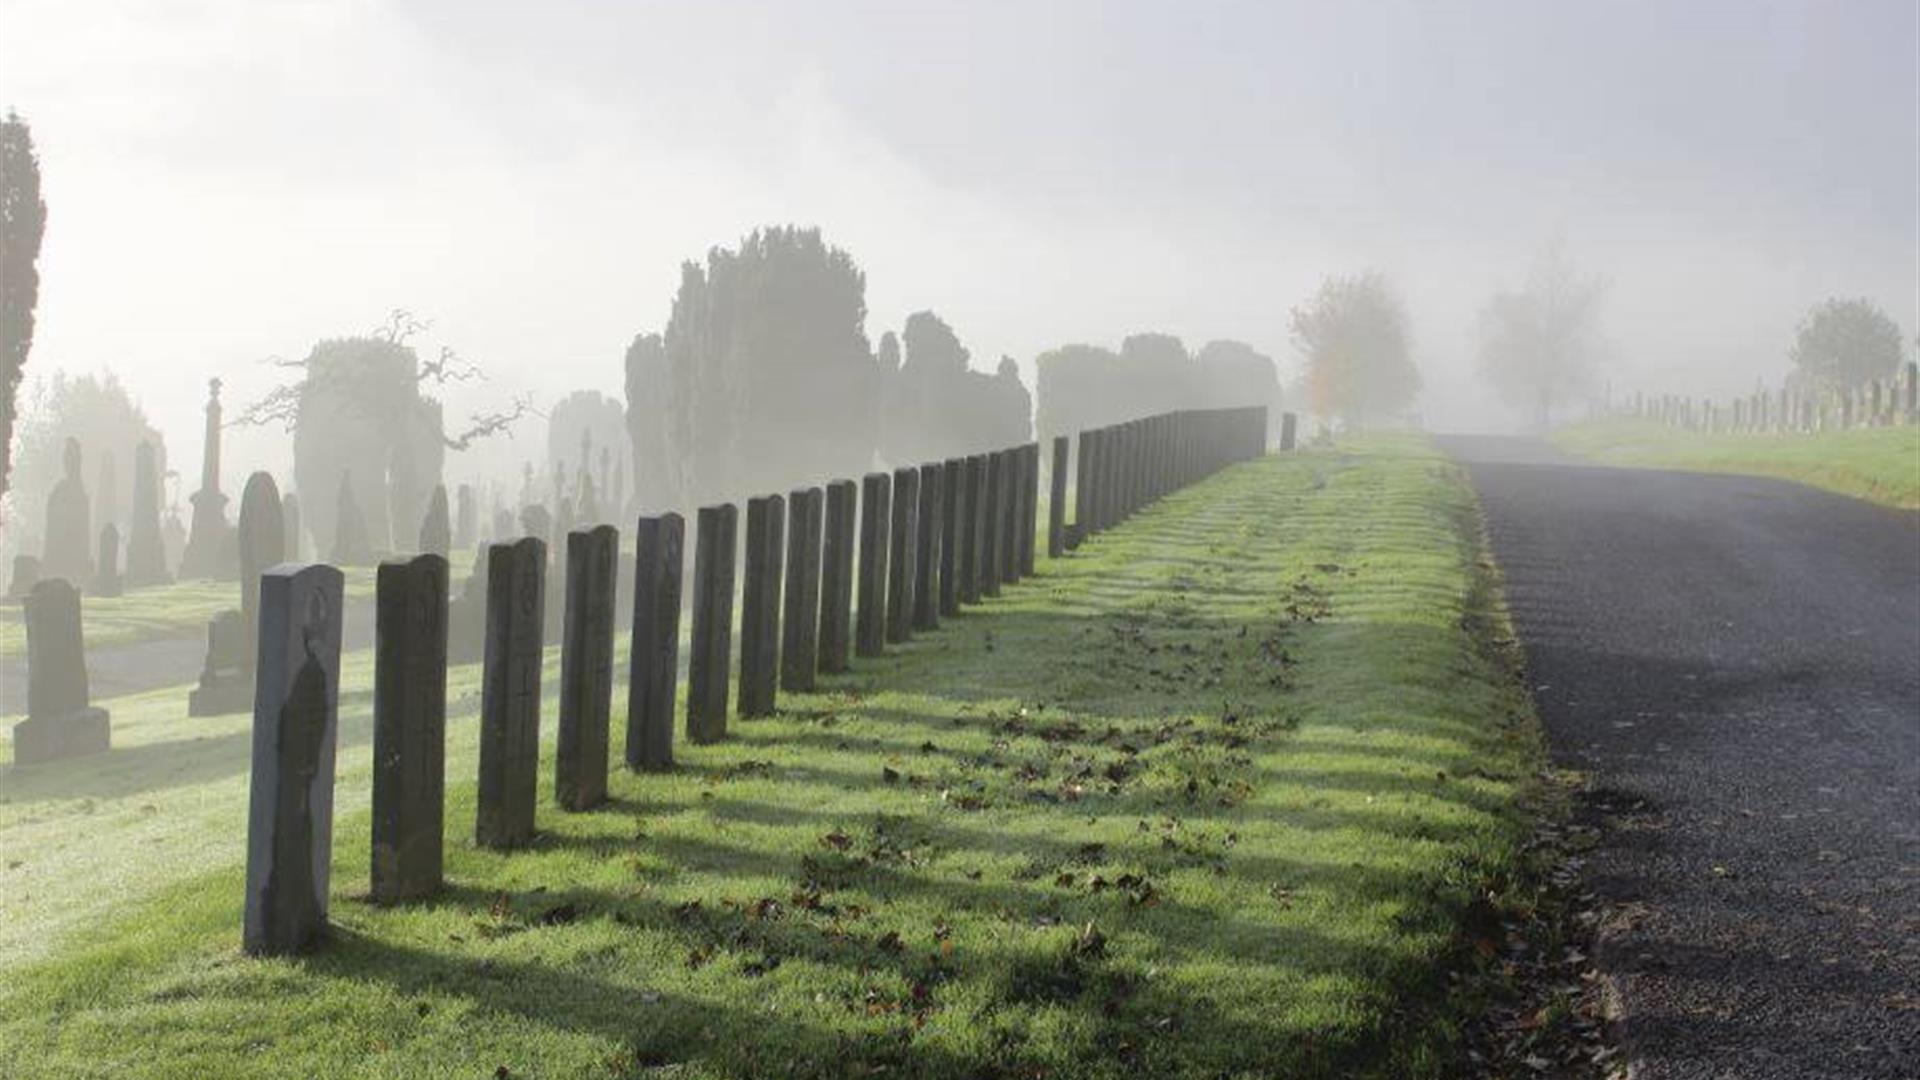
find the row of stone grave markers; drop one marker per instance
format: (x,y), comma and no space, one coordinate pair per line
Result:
(1875,403)
(930,539)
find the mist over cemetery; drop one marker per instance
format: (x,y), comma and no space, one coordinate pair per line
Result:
(837,700)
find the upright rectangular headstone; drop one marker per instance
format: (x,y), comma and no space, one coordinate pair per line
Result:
(586,669)
(994,534)
(712,642)
(760,606)
(953,493)
(1029,506)
(295,729)
(973,538)
(60,721)
(1057,499)
(653,662)
(870,631)
(510,693)
(926,566)
(836,577)
(903,554)
(409,727)
(800,620)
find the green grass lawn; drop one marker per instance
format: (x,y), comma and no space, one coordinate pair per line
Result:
(1878,464)
(1211,797)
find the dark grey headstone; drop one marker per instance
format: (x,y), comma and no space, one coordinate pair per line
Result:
(836,576)
(973,538)
(60,721)
(926,562)
(106,563)
(146,552)
(953,491)
(653,663)
(870,628)
(510,693)
(715,533)
(295,729)
(586,669)
(1082,490)
(903,554)
(1027,461)
(800,617)
(760,606)
(994,525)
(1057,499)
(409,727)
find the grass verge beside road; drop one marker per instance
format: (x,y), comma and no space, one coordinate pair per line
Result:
(1214,796)
(1877,464)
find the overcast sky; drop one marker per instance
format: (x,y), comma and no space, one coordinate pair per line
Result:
(233,179)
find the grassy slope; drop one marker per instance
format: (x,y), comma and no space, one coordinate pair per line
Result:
(1204,799)
(1878,464)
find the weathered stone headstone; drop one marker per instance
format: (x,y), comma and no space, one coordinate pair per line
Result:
(953,490)
(60,722)
(467,613)
(290,528)
(351,546)
(225,683)
(26,574)
(409,727)
(106,495)
(800,616)
(466,517)
(994,525)
(510,693)
(654,655)
(586,669)
(926,563)
(1027,521)
(1288,425)
(146,551)
(69,531)
(973,538)
(106,563)
(1082,491)
(205,556)
(712,640)
(903,554)
(295,729)
(870,627)
(436,533)
(262,538)
(836,577)
(502,525)
(760,606)
(1057,499)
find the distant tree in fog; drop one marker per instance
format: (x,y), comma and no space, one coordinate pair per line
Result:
(99,412)
(656,471)
(580,427)
(770,380)
(935,406)
(1233,374)
(23,220)
(1539,346)
(1353,335)
(1084,386)
(1843,343)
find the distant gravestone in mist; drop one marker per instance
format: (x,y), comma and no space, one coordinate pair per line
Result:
(466,516)
(295,729)
(224,684)
(351,546)
(262,544)
(290,526)
(69,544)
(60,723)
(436,533)
(146,550)
(26,574)
(106,563)
(467,614)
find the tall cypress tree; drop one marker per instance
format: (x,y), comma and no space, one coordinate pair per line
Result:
(23,220)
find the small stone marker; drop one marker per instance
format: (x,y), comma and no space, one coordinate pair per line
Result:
(760,606)
(836,577)
(510,693)
(871,629)
(60,722)
(653,666)
(953,490)
(1057,499)
(295,728)
(712,642)
(106,565)
(409,727)
(926,564)
(586,669)
(800,617)
(903,554)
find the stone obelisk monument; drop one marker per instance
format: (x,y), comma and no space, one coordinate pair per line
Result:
(206,555)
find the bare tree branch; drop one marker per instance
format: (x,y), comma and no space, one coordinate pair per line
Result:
(494,423)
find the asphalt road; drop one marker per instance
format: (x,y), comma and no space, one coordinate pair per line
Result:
(1735,662)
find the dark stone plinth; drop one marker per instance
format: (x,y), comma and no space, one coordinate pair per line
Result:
(409,727)
(836,577)
(953,493)
(903,554)
(586,669)
(510,693)
(800,616)
(760,606)
(870,628)
(715,535)
(994,525)
(973,537)
(1057,499)
(653,665)
(926,562)
(295,729)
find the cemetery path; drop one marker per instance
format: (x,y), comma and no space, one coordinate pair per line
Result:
(1735,664)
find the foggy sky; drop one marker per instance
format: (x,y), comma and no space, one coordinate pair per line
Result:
(233,179)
